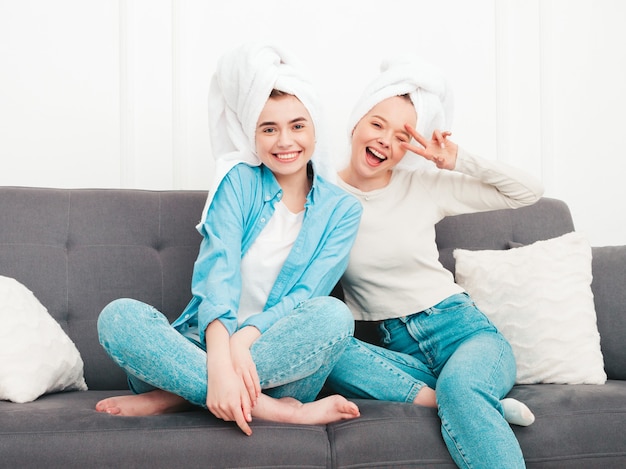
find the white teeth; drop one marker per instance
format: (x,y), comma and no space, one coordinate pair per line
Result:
(286,156)
(378,155)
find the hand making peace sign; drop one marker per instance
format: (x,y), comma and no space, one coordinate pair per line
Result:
(439,149)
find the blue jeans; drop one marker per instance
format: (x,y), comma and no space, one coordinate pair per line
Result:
(454,349)
(293,357)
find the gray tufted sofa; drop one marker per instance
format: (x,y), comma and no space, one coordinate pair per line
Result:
(79,249)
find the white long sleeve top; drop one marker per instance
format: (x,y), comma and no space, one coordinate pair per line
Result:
(394,267)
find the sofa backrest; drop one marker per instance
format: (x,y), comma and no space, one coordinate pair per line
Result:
(79,249)
(502,229)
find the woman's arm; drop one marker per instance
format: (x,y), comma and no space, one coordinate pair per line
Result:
(515,188)
(476,184)
(216,281)
(227,396)
(242,362)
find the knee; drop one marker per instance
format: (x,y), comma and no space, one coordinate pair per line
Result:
(114,318)
(464,393)
(113,312)
(333,315)
(456,389)
(341,316)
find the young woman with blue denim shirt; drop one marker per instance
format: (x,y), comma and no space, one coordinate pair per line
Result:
(459,363)
(259,337)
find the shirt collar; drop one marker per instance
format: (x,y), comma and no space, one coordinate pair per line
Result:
(271,188)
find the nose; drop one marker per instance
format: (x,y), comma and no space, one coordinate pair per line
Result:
(285,139)
(384,139)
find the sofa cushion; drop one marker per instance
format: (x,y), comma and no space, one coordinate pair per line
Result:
(539,296)
(576,426)
(64,431)
(36,356)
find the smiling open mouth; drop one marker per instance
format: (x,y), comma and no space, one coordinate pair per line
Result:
(287,156)
(374,157)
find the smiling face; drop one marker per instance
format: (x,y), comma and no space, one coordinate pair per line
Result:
(285,137)
(376,143)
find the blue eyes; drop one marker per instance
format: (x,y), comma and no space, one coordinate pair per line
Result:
(271,130)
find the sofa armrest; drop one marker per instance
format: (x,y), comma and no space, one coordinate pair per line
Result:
(609,290)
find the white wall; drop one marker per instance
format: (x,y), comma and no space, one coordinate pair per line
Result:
(103,93)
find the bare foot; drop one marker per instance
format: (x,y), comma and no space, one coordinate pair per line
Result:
(426,397)
(151,403)
(289,410)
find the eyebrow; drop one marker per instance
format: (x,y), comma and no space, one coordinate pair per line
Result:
(292,121)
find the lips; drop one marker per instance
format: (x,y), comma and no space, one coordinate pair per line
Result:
(286,157)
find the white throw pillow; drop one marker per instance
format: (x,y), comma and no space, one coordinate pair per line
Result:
(36,356)
(539,297)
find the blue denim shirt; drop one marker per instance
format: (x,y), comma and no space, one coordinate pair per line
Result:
(243,204)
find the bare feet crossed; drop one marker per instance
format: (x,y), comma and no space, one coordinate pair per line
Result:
(286,409)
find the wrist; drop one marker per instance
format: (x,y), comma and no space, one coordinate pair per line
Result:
(245,336)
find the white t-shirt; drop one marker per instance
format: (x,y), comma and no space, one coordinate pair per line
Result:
(261,264)
(394,267)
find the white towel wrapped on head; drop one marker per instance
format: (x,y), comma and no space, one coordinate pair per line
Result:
(239,89)
(425,84)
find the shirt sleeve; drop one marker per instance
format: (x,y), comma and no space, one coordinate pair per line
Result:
(216,280)
(477,184)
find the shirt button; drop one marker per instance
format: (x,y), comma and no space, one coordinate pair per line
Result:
(263,220)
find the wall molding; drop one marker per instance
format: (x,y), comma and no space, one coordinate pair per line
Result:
(126,94)
(180,140)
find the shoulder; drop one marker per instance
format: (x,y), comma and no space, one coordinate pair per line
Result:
(331,189)
(244,171)
(332,193)
(421,178)
(241,185)
(405,179)
(242,178)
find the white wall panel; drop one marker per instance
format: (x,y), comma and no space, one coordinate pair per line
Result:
(103,93)
(518,84)
(149,87)
(585,64)
(59,87)
(196,46)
